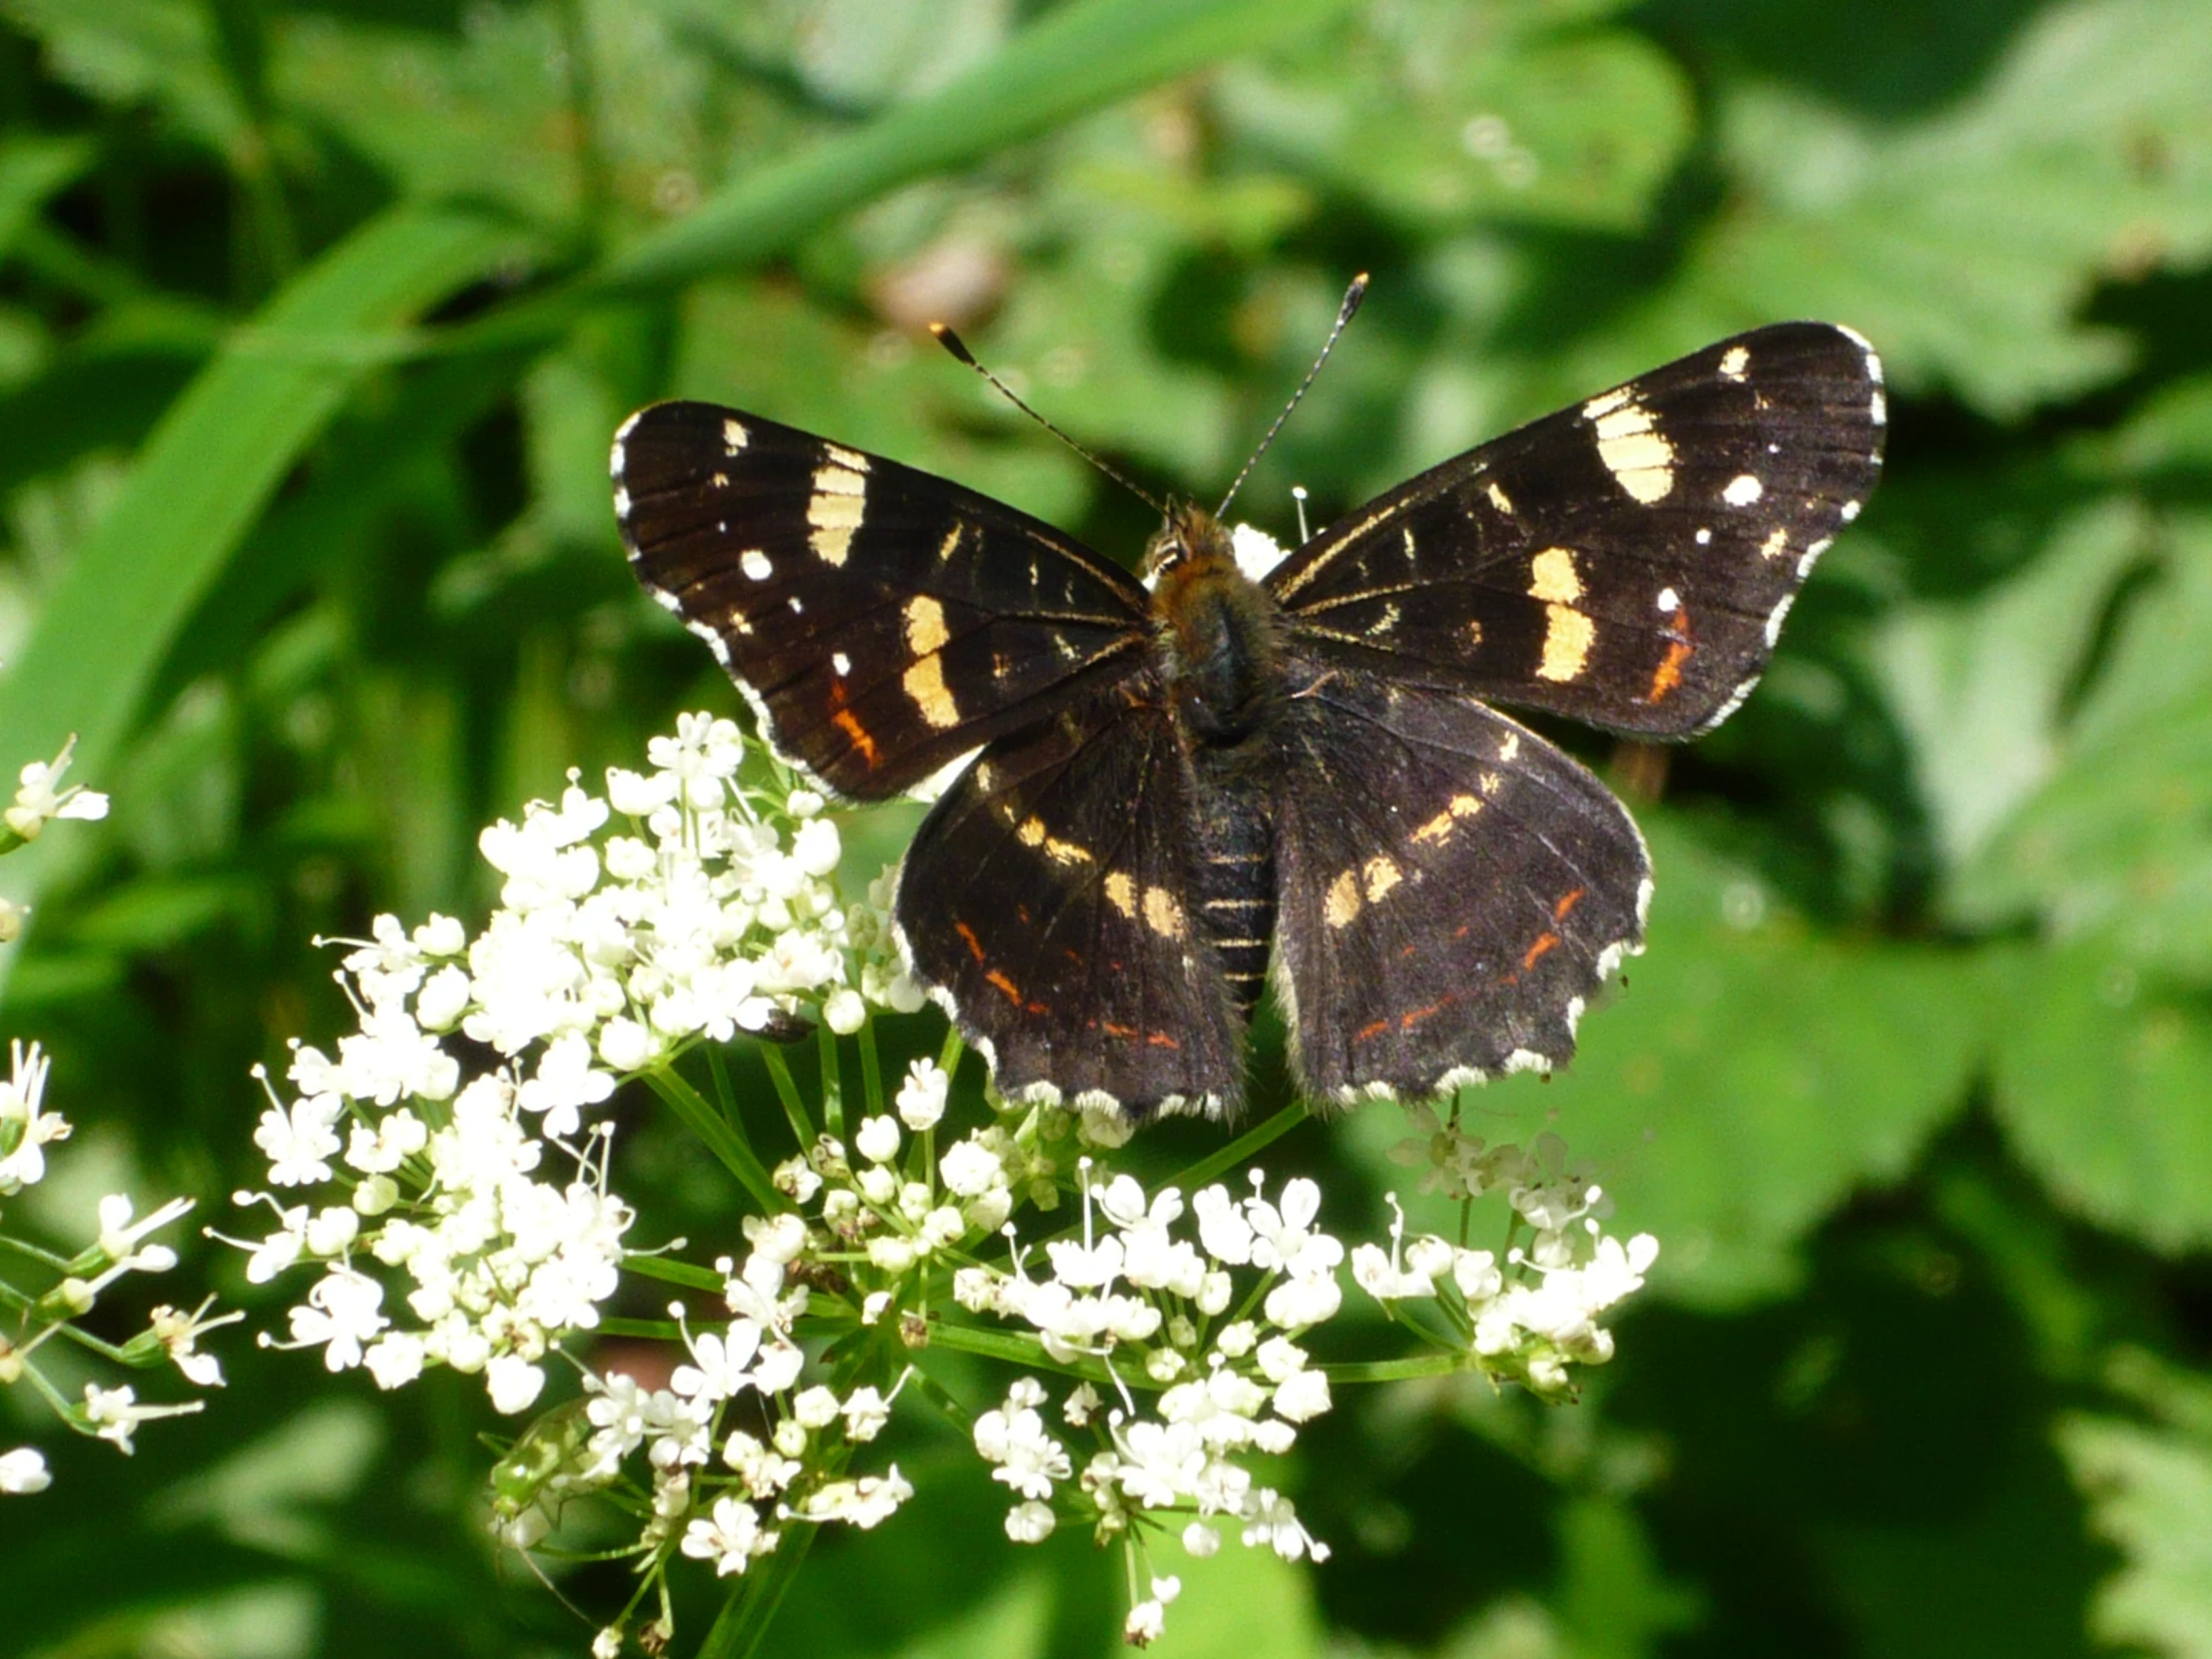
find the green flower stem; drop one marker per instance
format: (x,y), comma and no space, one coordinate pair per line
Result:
(787,1091)
(871,1069)
(1014,1348)
(942,1398)
(652,1331)
(672,1272)
(746,1616)
(1440,1363)
(833,1085)
(720,1136)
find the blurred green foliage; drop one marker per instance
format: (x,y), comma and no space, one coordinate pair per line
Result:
(315,320)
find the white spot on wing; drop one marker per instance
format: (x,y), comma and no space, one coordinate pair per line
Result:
(1849,511)
(1704,538)
(755,564)
(1669,601)
(839,661)
(1742,490)
(1734,362)
(734,436)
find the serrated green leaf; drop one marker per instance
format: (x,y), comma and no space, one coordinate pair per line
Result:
(1962,243)
(2103,1083)
(1979,687)
(1444,114)
(2118,841)
(1751,1075)
(2150,1497)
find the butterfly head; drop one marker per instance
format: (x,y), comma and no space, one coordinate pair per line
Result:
(1190,536)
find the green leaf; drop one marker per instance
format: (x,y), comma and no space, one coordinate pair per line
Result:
(2118,841)
(1441,115)
(33,168)
(1980,686)
(204,477)
(2102,1077)
(1076,58)
(1748,1079)
(2149,1488)
(1962,243)
(138,50)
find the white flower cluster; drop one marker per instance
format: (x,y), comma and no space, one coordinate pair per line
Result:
(1177,1312)
(717,1493)
(120,1248)
(1527,1318)
(612,948)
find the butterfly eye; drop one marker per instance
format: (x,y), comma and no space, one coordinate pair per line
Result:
(1163,551)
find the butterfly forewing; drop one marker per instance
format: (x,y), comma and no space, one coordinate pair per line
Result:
(883,621)
(1049,899)
(1627,561)
(1450,888)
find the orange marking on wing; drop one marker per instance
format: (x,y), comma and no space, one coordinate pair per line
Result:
(1013,993)
(1669,673)
(1544,941)
(848,723)
(1560,909)
(1405,1022)
(1036,1009)
(1113,1030)
(974,945)
(1374,1030)
(1160,1039)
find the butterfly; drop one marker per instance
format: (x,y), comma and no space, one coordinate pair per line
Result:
(1184,790)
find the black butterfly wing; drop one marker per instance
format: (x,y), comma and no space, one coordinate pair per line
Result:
(883,621)
(1047,900)
(1627,562)
(1449,887)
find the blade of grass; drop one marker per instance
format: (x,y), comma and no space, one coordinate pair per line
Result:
(202,481)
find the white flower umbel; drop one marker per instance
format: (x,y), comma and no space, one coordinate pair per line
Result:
(445,1173)
(1529,1312)
(62,1289)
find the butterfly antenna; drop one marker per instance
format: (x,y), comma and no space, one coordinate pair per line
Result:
(1352,295)
(954,344)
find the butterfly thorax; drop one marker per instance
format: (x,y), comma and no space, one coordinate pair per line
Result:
(1216,631)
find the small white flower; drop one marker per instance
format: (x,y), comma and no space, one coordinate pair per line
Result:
(1030,1522)
(1200,1540)
(921,1098)
(816,1408)
(23,1122)
(878,1139)
(844,1011)
(22,1472)
(729,1538)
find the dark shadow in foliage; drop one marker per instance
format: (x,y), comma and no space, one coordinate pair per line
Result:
(1415,1506)
(1867,1466)
(1888,59)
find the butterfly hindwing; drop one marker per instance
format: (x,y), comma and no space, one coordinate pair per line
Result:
(883,621)
(1450,888)
(1048,898)
(1626,561)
